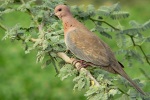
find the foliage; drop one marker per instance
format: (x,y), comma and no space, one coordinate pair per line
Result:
(45,34)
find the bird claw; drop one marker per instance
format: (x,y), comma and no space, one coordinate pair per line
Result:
(83,63)
(67,51)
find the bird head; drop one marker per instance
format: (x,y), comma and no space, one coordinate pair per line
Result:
(62,11)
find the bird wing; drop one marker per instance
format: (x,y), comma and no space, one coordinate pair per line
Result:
(87,46)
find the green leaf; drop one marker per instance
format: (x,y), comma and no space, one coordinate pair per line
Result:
(12,32)
(146,25)
(53,54)
(139,40)
(119,15)
(81,81)
(107,11)
(66,71)
(124,97)
(131,31)
(121,40)
(101,31)
(104,11)
(80,85)
(96,93)
(113,92)
(91,91)
(132,54)
(115,7)
(45,45)
(40,56)
(137,28)
(147,39)
(97,97)
(90,10)
(47,62)
(133,23)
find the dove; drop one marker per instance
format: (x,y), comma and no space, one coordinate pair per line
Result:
(88,47)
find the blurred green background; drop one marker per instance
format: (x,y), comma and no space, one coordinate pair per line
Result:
(21,78)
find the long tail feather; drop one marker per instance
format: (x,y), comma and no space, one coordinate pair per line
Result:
(121,72)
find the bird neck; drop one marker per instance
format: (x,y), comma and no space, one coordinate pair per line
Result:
(69,23)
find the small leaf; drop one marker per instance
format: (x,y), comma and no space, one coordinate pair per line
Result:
(81,81)
(40,56)
(90,10)
(101,31)
(47,62)
(115,7)
(113,92)
(104,11)
(124,97)
(133,23)
(121,40)
(66,71)
(130,31)
(147,39)
(53,54)
(119,15)
(106,34)
(91,91)
(146,25)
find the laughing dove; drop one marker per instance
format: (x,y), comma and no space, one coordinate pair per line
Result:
(87,46)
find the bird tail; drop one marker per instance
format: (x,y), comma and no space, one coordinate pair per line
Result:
(123,74)
(134,84)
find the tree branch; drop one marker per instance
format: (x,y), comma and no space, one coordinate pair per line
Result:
(78,66)
(132,38)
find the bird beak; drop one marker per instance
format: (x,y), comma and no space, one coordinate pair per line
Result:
(52,14)
(57,16)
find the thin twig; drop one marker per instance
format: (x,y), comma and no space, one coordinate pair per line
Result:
(145,74)
(140,47)
(3,27)
(123,92)
(102,21)
(53,62)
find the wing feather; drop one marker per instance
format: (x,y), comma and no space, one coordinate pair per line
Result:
(87,46)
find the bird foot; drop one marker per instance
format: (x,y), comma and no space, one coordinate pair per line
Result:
(83,63)
(67,51)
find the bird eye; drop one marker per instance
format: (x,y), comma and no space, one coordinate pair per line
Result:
(59,9)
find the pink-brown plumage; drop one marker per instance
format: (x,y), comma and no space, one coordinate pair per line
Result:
(87,46)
